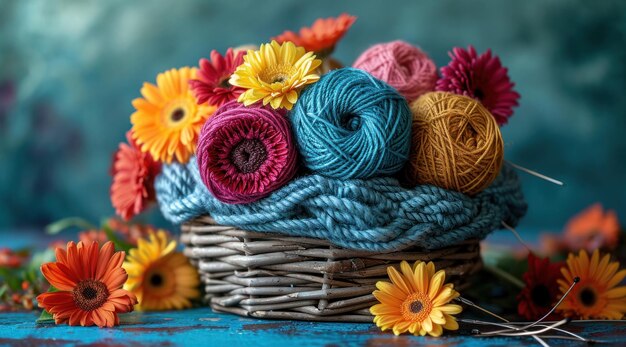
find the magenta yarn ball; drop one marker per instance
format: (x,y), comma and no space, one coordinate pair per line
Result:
(246,152)
(402,65)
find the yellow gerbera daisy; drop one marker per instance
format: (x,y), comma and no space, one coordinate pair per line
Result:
(275,74)
(596,296)
(160,277)
(416,300)
(167,119)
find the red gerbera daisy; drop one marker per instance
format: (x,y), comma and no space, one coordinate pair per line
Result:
(212,85)
(541,291)
(481,77)
(133,179)
(89,280)
(322,36)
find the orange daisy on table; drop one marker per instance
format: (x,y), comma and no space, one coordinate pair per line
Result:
(89,280)
(322,36)
(167,120)
(592,228)
(416,300)
(598,294)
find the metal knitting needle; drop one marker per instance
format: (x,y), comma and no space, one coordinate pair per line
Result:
(576,280)
(536,174)
(512,326)
(471,304)
(519,238)
(521,332)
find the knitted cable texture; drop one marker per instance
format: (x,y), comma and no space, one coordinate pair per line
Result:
(375,214)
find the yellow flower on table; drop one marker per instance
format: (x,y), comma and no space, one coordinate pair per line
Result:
(275,74)
(416,300)
(160,277)
(167,120)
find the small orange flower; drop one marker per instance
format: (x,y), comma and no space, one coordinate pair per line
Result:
(10,259)
(89,280)
(322,36)
(591,229)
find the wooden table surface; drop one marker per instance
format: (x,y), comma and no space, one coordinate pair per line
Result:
(202,327)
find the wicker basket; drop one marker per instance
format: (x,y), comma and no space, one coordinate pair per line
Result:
(274,276)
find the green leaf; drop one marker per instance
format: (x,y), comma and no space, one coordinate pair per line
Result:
(66,223)
(3,290)
(45,318)
(120,244)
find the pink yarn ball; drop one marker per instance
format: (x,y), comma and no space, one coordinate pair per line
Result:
(245,153)
(402,65)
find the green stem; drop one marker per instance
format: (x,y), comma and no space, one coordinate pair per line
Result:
(66,223)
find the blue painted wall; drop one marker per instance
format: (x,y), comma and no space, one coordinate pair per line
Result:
(69,69)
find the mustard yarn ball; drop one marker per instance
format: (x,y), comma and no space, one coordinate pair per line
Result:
(455,143)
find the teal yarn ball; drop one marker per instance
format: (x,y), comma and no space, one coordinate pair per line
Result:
(351,125)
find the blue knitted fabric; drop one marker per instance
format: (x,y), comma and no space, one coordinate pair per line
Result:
(375,214)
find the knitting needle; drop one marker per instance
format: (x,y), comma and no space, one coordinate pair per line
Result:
(535,173)
(519,238)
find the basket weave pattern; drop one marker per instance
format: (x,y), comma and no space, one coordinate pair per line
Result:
(269,275)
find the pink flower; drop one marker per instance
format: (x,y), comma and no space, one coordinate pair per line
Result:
(212,85)
(481,77)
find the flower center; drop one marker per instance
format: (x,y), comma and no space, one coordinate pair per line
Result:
(279,78)
(479,94)
(177,115)
(177,112)
(248,155)
(156,280)
(587,296)
(88,295)
(279,73)
(224,82)
(540,295)
(416,307)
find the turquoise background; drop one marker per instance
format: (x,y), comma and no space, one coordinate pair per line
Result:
(69,69)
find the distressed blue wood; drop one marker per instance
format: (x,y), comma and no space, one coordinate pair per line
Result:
(202,327)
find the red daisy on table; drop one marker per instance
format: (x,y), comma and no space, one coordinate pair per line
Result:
(133,179)
(541,291)
(212,86)
(481,77)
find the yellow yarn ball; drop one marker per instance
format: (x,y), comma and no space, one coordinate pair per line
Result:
(456,143)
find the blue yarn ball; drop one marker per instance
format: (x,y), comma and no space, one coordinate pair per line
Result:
(351,125)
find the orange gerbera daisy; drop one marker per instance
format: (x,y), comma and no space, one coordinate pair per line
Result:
(322,36)
(416,300)
(89,280)
(592,228)
(168,119)
(597,294)
(133,171)
(161,278)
